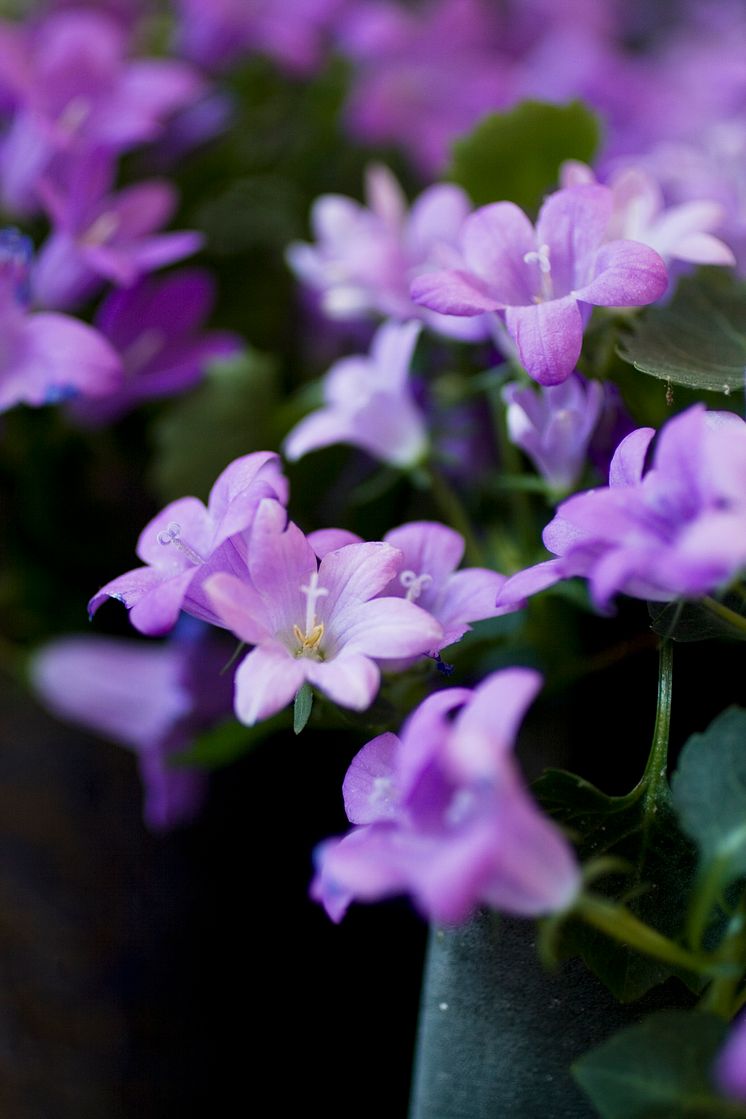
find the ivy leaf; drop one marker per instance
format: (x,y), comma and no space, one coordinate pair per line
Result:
(229,414)
(641,832)
(516,156)
(302,707)
(709,795)
(694,621)
(659,1069)
(698,339)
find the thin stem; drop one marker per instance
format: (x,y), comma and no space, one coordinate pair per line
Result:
(738,621)
(656,769)
(455,512)
(721,997)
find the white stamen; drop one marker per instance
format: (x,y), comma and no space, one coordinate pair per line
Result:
(414,583)
(172,535)
(312,592)
(75,113)
(102,229)
(142,350)
(541,257)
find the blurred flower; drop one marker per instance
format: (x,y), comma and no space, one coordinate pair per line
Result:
(156,327)
(366,256)
(545,280)
(554,425)
(187,541)
(150,698)
(677,530)
(442,814)
(323,624)
(369,403)
(730,1070)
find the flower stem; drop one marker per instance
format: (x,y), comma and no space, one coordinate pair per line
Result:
(732,617)
(654,777)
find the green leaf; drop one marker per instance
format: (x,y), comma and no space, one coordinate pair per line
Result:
(516,156)
(659,1069)
(227,742)
(698,339)
(709,795)
(642,832)
(302,707)
(228,415)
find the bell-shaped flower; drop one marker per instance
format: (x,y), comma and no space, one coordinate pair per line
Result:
(73,89)
(442,814)
(730,1068)
(545,280)
(157,329)
(554,426)
(99,235)
(45,357)
(152,698)
(369,403)
(324,624)
(675,530)
(366,257)
(681,232)
(187,541)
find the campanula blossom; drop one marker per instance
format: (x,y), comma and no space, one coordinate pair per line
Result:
(324,624)
(151,698)
(45,357)
(545,280)
(442,814)
(683,232)
(73,89)
(157,329)
(187,541)
(101,235)
(554,426)
(366,257)
(675,530)
(368,402)
(730,1069)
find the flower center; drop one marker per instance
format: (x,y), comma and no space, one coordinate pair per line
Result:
(540,256)
(172,535)
(309,641)
(414,583)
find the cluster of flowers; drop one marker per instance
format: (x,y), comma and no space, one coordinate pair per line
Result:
(440,812)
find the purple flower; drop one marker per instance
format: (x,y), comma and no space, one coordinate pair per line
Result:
(186,542)
(677,530)
(682,232)
(102,236)
(442,814)
(156,327)
(74,90)
(45,357)
(367,256)
(323,624)
(730,1069)
(545,280)
(554,426)
(369,403)
(150,698)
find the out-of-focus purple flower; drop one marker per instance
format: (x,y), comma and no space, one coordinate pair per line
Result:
(730,1069)
(187,541)
(146,697)
(423,77)
(430,554)
(45,357)
(442,814)
(614,424)
(101,236)
(156,328)
(682,232)
(292,32)
(74,90)
(366,257)
(546,279)
(554,426)
(677,530)
(369,403)
(323,624)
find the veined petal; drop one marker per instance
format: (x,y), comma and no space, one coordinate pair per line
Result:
(495,240)
(572,223)
(530,581)
(470,595)
(485,729)
(350,679)
(627,274)
(266,681)
(354,574)
(369,787)
(453,292)
(241,609)
(549,337)
(628,464)
(388,627)
(127,589)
